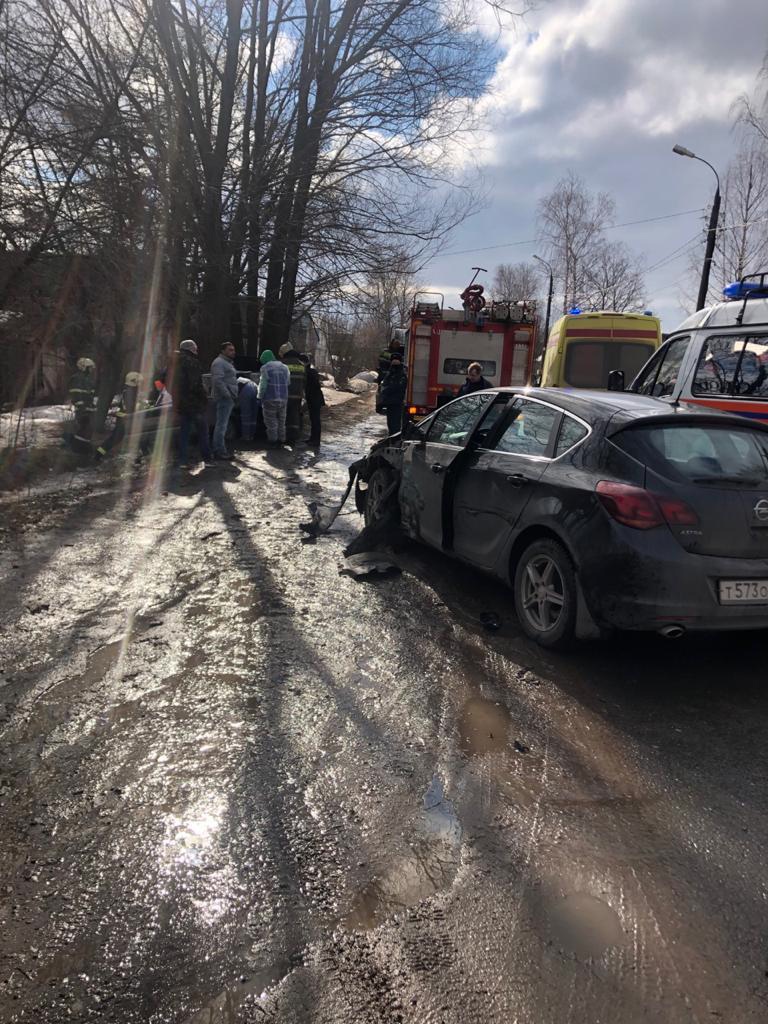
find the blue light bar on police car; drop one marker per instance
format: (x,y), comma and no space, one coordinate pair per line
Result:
(746,290)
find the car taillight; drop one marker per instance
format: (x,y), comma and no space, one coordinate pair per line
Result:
(638,508)
(629,505)
(676,512)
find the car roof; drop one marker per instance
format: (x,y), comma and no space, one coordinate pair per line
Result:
(621,407)
(596,404)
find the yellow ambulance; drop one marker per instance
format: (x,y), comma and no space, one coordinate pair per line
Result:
(583,348)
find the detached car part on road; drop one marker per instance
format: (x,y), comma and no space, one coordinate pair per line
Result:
(602,511)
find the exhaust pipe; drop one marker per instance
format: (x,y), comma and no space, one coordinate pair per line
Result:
(672,632)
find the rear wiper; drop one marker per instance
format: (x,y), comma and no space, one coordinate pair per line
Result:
(746,481)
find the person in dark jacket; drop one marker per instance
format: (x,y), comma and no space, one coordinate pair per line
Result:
(190,401)
(475,380)
(392,394)
(315,401)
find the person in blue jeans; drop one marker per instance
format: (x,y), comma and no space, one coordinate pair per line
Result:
(190,401)
(224,394)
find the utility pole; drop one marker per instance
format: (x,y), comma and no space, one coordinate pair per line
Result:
(711,231)
(543,345)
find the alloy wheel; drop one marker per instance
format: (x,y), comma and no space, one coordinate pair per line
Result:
(543,593)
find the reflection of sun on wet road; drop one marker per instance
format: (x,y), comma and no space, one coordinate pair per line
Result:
(239,787)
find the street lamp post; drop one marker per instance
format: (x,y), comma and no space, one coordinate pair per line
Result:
(711,231)
(549,298)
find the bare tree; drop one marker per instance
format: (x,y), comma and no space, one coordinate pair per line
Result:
(572,220)
(613,279)
(741,246)
(515,281)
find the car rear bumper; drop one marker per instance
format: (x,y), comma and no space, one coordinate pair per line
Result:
(644,580)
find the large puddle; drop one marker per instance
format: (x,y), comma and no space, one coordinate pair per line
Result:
(483,727)
(429,867)
(583,925)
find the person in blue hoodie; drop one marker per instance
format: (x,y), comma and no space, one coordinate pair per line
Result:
(274,382)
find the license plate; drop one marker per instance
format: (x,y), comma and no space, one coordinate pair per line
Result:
(743,591)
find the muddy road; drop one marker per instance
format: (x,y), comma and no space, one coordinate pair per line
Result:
(237,786)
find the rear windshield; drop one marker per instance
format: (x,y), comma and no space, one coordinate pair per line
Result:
(707,454)
(588,363)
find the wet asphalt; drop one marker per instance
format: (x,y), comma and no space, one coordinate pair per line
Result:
(237,786)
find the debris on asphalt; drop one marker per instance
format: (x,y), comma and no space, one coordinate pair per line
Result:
(369,563)
(490,620)
(521,747)
(324,516)
(37,606)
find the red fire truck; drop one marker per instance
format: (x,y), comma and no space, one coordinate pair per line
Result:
(441,343)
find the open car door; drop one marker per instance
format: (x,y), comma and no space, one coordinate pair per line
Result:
(428,461)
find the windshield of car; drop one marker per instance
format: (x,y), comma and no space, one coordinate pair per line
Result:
(706,454)
(588,363)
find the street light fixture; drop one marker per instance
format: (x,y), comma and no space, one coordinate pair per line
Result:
(711,231)
(549,298)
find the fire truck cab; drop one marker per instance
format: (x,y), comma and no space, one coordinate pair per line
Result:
(441,343)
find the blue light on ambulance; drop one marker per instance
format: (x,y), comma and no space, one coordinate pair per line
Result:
(574,311)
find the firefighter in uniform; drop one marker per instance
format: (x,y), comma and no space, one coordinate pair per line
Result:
(385,357)
(129,400)
(296,391)
(82,395)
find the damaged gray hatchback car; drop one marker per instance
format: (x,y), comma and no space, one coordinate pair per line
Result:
(602,511)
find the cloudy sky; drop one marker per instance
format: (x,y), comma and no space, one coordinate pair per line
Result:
(606,88)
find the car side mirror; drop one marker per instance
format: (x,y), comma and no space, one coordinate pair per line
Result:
(616,380)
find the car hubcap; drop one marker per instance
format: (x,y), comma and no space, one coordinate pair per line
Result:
(543,593)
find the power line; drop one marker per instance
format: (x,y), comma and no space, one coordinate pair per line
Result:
(536,241)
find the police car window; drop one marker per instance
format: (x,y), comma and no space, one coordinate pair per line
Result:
(530,431)
(660,376)
(571,432)
(454,423)
(735,365)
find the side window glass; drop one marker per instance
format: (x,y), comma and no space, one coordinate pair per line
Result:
(530,431)
(489,421)
(571,432)
(643,385)
(666,378)
(733,365)
(717,365)
(454,424)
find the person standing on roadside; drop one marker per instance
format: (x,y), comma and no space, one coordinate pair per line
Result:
(392,394)
(274,382)
(224,393)
(190,401)
(296,391)
(315,401)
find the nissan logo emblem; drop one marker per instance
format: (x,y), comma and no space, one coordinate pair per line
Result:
(761,510)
